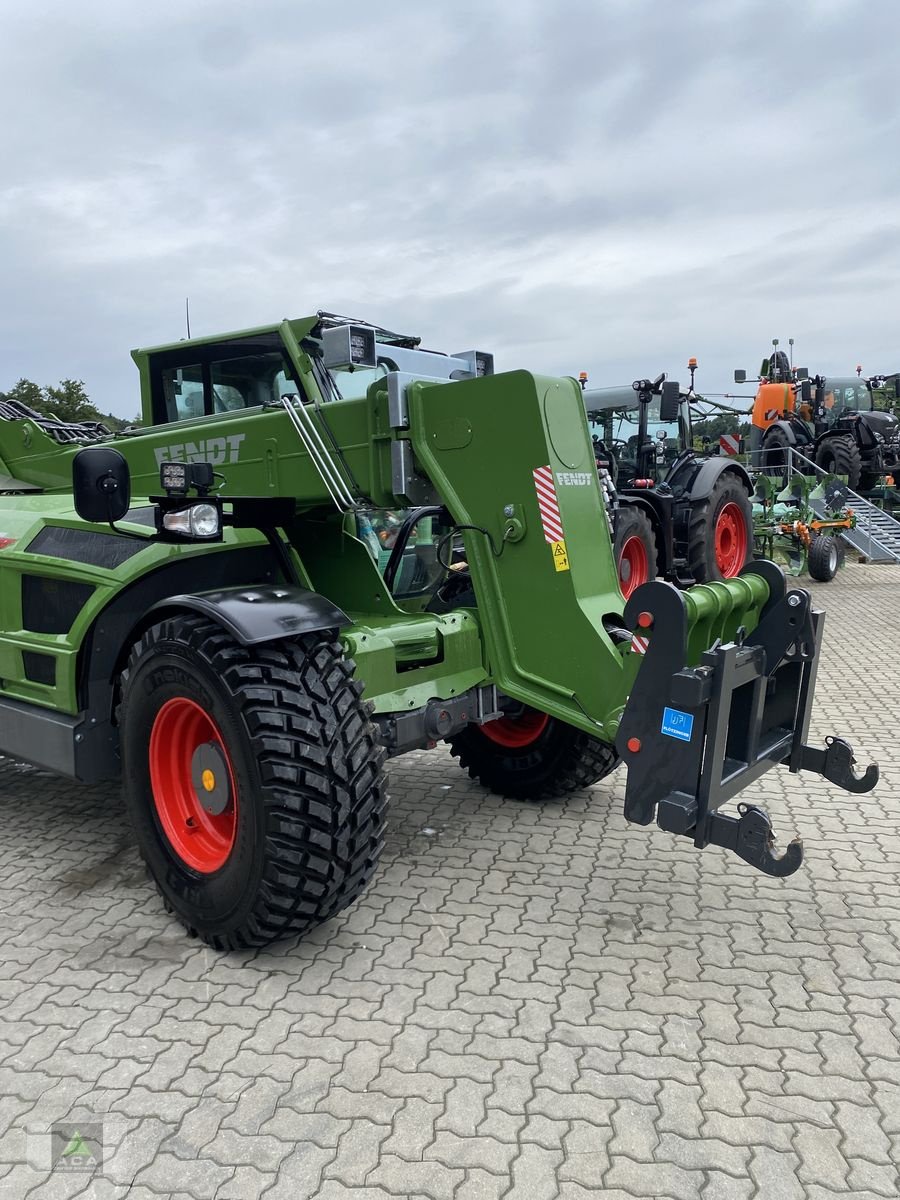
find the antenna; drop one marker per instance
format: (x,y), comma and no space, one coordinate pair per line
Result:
(187,314)
(791,344)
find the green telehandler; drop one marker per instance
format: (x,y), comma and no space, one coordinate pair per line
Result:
(325,547)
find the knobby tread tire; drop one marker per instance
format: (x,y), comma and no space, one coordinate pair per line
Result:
(701,548)
(840,455)
(561,761)
(632,521)
(311,780)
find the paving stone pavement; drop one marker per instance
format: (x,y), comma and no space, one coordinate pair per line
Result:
(530,1002)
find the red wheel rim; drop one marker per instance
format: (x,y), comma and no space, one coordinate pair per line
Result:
(731,540)
(516,732)
(634,569)
(182,740)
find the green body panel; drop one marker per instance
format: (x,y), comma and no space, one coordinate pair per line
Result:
(541,634)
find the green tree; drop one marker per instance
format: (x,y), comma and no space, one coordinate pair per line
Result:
(26,392)
(70,402)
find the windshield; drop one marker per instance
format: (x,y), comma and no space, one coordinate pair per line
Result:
(846,395)
(619,430)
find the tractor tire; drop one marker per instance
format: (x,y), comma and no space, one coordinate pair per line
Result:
(635,549)
(720,543)
(532,756)
(824,558)
(840,456)
(253,778)
(774,454)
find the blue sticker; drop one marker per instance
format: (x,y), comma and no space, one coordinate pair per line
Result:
(677,724)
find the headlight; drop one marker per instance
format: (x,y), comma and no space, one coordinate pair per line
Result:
(196,521)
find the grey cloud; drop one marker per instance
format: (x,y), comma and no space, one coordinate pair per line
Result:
(609,186)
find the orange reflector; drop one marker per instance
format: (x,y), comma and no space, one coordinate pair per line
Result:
(634,744)
(645,620)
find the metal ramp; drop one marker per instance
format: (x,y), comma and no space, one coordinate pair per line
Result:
(876,536)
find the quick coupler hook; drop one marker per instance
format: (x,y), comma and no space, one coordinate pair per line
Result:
(836,764)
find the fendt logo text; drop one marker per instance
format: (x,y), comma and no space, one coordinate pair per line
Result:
(215,450)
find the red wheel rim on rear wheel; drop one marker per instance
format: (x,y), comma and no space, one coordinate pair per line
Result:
(202,840)
(731,540)
(514,733)
(634,569)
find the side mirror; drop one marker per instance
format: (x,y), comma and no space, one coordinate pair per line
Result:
(801,373)
(740,377)
(669,401)
(101,483)
(806,393)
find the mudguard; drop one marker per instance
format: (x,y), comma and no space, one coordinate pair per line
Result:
(253,615)
(698,484)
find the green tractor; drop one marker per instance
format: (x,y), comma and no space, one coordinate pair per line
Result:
(324,548)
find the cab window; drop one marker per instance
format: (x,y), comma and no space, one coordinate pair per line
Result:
(182,389)
(247,382)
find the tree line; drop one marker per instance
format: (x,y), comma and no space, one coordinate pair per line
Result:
(68,402)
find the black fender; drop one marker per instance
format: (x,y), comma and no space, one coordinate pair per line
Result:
(107,643)
(257,614)
(697,477)
(795,436)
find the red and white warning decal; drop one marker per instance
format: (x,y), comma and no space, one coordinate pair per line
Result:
(548,504)
(730,443)
(639,644)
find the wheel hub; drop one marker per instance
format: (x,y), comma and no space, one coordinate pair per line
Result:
(209,775)
(192,781)
(730,540)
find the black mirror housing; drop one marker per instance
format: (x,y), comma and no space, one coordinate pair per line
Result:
(670,399)
(740,377)
(801,373)
(101,485)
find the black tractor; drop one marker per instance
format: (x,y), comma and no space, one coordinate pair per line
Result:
(679,514)
(831,422)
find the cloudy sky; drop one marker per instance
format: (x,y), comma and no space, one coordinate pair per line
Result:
(607,185)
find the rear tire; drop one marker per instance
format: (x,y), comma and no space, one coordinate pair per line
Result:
(824,558)
(300,824)
(840,456)
(774,454)
(720,543)
(635,549)
(551,760)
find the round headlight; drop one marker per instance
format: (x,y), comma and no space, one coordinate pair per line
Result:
(204,520)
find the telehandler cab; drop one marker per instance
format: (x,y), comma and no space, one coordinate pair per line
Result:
(325,547)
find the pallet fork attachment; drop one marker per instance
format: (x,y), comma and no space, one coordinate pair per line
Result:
(694,736)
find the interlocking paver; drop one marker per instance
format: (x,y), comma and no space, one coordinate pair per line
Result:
(535,1001)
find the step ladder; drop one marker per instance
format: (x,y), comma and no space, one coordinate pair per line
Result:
(876,536)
